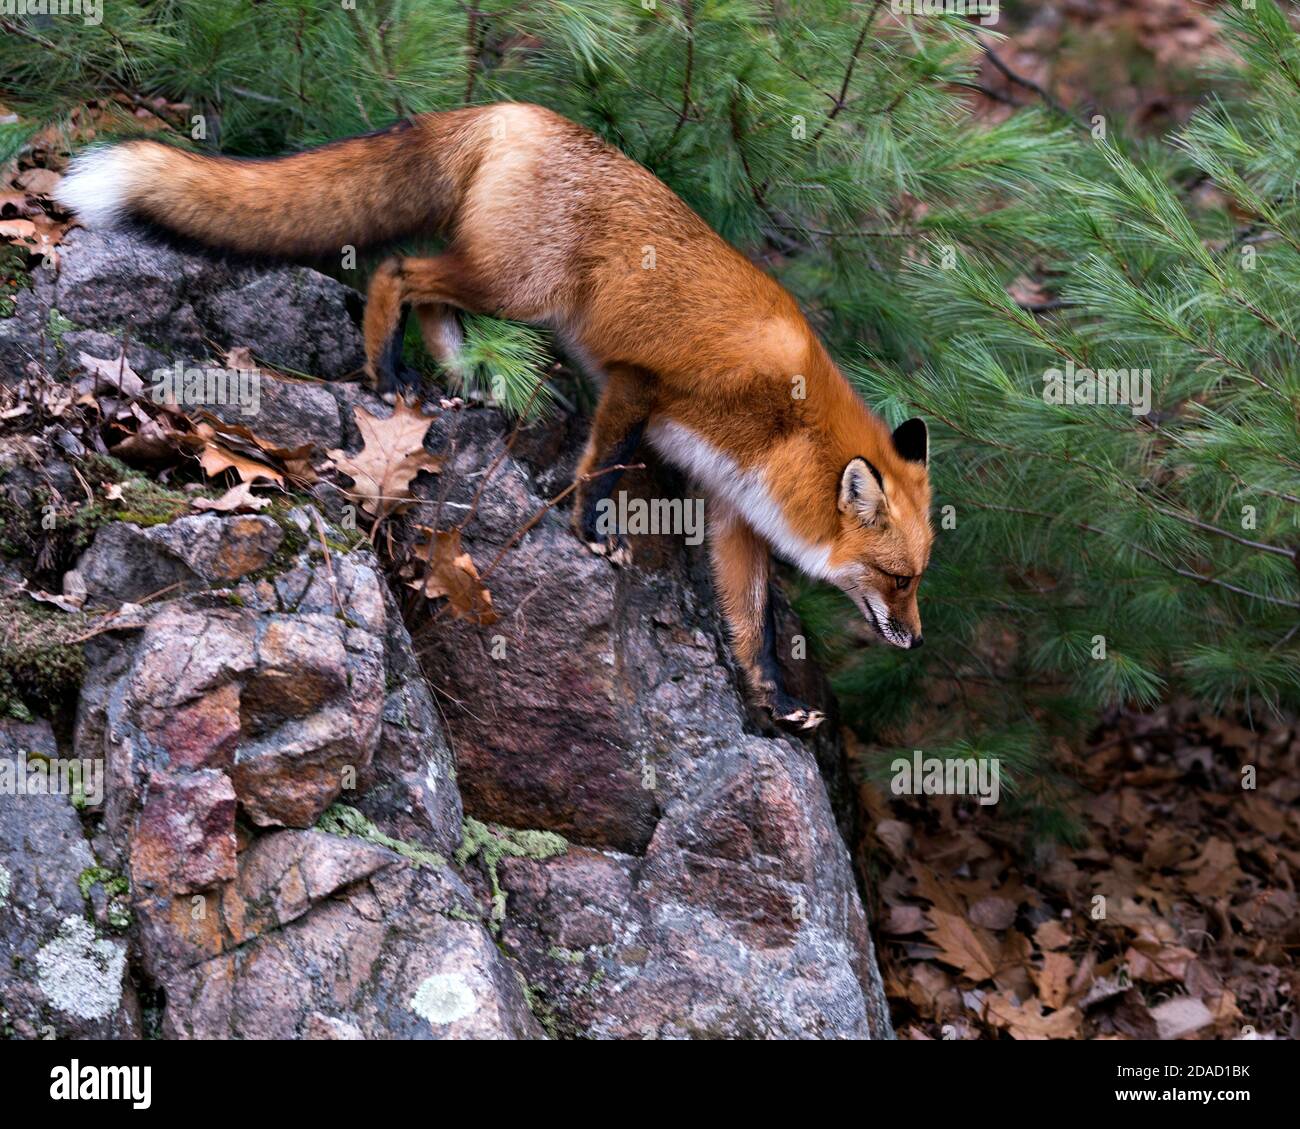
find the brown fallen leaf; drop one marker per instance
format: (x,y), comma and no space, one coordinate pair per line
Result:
(896,836)
(392,454)
(17,229)
(112,374)
(63,603)
(905,919)
(1183,1015)
(238,497)
(993,912)
(1051,935)
(1154,962)
(960,946)
(17,205)
(445,569)
(296,461)
(39,182)
(216,458)
(1053,979)
(1027,1021)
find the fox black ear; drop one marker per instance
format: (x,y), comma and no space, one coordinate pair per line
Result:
(912,440)
(862,490)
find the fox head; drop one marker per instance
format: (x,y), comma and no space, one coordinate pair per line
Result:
(883,543)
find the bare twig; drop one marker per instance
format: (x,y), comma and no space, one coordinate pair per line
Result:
(329,562)
(688,11)
(1029,84)
(550,505)
(842,97)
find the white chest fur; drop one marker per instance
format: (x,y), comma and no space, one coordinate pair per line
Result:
(746,490)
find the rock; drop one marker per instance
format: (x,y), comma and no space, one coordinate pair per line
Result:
(60,976)
(276,707)
(281,788)
(289,413)
(292,317)
(166,302)
(409,788)
(715,896)
(335,938)
(127,562)
(25,336)
(185,838)
(287,706)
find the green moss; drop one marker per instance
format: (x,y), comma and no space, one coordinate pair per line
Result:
(568,956)
(346,821)
(144,502)
(56,325)
(14,276)
(117,888)
(41,659)
(93,876)
(292,545)
(490,843)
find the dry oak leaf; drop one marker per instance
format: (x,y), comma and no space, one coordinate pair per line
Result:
(392,454)
(449,572)
(1051,934)
(113,375)
(1027,1021)
(217,458)
(961,946)
(219,454)
(238,497)
(1183,1015)
(17,229)
(1053,979)
(17,205)
(295,460)
(993,912)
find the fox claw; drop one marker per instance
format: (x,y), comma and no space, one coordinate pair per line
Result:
(614,549)
(803,718)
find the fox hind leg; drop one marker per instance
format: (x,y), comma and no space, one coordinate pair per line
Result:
(436,287)
(444,336)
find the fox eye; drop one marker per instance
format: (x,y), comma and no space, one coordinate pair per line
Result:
(901,583)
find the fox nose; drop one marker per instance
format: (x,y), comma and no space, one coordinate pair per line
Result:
(917,641)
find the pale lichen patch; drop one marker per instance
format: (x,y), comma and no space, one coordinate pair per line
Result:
(80,974)
(444,998)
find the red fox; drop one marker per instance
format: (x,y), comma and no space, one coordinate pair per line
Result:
(700,353)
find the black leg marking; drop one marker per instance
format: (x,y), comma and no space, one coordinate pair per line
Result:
(389,362)
(787,710)
(599,488)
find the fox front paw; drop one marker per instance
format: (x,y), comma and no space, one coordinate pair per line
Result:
(613,548)
(790,713)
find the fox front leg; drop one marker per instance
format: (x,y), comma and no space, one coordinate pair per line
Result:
(616,433)
(742,578)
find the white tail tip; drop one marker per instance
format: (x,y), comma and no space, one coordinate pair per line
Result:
(96,186)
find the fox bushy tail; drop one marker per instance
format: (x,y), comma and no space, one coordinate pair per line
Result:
(361,191)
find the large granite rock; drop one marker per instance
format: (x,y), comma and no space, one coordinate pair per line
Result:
(716,896)
(279,850)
